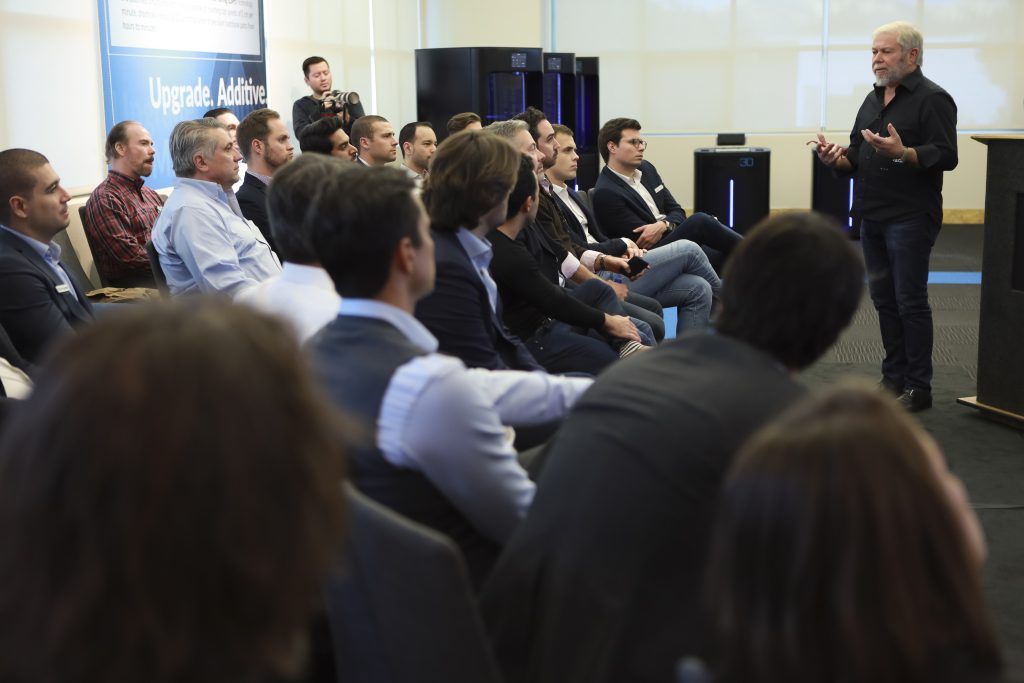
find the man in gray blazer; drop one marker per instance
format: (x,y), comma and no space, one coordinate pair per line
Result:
(39,300)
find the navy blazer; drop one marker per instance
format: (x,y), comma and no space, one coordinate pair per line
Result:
(458,312)
(32,310)
(252,200)
(612,247)
(620,210)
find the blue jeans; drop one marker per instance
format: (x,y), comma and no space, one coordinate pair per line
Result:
(896,256)
(715,237)
(681,276)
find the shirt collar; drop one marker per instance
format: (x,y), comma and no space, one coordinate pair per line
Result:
(48,252)
(265,179)
(479,250)
(632,180)
(409,326)
(312,276)
(135,183)
(213,190)
(562,192)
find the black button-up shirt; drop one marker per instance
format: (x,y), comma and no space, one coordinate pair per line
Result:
(924,116)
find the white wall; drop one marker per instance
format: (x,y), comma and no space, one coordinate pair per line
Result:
(51,85)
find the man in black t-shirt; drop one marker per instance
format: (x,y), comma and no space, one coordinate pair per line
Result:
(323,102)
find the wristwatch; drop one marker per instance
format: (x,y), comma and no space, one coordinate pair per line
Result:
(669,225)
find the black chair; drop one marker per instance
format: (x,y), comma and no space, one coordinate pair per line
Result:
(158,272)
(402,609)
(93,246)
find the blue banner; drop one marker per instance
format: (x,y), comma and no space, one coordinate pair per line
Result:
(165,61)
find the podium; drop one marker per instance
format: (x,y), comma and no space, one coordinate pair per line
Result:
(1001,327)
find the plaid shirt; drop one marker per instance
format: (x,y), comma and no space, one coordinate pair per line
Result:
(120,214)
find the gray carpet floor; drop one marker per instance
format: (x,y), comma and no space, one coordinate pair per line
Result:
(988,456)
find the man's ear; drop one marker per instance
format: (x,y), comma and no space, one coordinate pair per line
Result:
(18,206)
(199,161)
(914,55)
(120,149)
(527,205)
(257,146)
(405,256)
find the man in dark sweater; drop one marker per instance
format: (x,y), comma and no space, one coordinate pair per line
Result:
(601,582)
(322,102)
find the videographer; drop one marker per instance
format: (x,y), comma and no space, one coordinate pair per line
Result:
(324,101)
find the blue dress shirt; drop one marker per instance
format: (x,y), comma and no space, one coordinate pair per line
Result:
(206,244)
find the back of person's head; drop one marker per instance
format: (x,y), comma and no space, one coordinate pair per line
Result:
(471,172)
(790,287)
(460,121)
(611,131)
(508,129)
(363,128)
(290,199)
(118,134)
(357,219)
(169,501)
(526,186)
(214,113)
(255,126)
(845,550)
(16,176)
(192,137)
(316,137)
(532,116)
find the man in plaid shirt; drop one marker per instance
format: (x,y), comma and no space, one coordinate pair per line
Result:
(121,210)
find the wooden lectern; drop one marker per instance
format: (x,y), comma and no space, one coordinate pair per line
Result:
(1001,327)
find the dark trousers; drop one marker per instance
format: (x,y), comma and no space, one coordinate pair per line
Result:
(896,256)
(561,348)
(714,237)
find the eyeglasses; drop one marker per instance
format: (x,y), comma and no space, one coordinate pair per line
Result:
(639,143)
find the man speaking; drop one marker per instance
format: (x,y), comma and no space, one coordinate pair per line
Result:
(902,141)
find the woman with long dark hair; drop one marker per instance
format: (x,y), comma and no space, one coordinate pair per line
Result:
(845,550)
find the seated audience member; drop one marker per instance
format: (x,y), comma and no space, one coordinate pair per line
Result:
(562,330)
(303,293)
(39,299)
(204,242)
(266,146)
(375,141)
(121,211)
(322,103)
(675,268)
(631,200)
(465,121)
(14,370)
(418,142)
(467,196)
(628,486)
(326,136)
(845,549)
(435,449)
(193,552)
(230,121)
(569,271)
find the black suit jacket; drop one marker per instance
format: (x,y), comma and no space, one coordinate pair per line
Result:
(601,582)
(252,200)
(458,312)
(32,310)
(612,247)
(403,609)
(619,209)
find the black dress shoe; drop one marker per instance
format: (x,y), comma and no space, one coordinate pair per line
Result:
(886,384)
(915,400)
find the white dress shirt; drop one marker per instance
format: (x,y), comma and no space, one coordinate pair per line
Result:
(447,422)
(303,295)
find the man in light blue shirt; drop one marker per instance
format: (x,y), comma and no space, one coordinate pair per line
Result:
(436,448)
(204,242)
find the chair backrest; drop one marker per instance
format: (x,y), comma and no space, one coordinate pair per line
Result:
(403,609)
(158,272)
(93,246)
(589,194)
(69,259)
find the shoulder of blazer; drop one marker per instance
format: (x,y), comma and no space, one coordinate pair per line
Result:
(607,179)
(15,254)
(649,176)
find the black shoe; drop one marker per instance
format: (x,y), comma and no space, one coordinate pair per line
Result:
(886,384)
(915,400)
